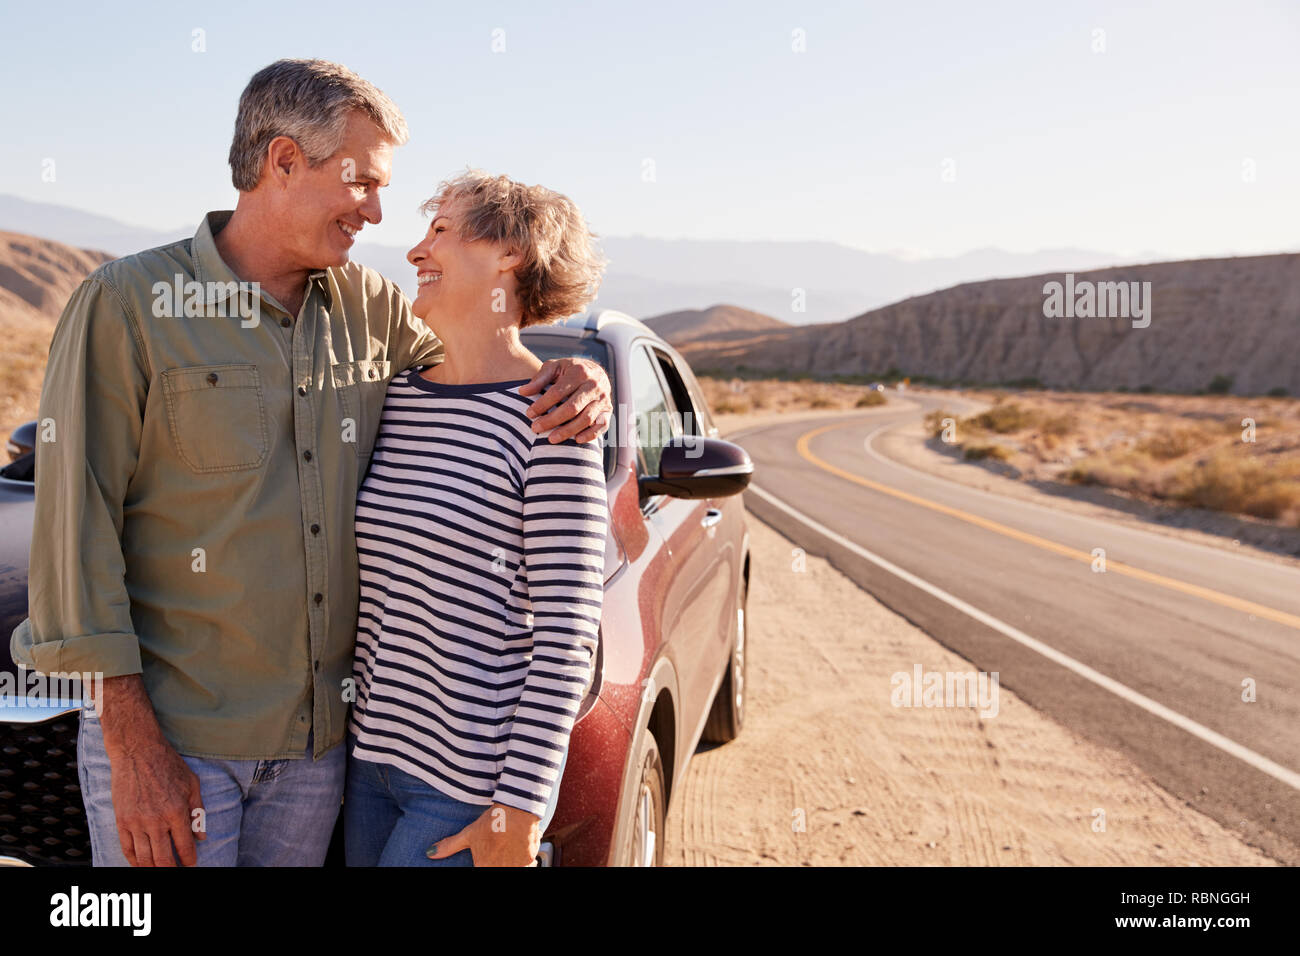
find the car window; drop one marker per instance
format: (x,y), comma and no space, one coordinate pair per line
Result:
(653,411)
(692,421)
(697,399)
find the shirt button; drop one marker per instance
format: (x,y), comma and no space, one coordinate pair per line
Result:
(373,373)
(212,378)
(318,598)
(302,389)
(285,322)
(315,529)
(318,665)
(307,455)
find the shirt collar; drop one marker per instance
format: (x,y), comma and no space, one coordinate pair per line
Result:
(211,271)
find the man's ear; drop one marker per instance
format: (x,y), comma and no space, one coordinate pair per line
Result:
(282,155)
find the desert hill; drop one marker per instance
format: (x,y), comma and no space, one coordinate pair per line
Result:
(715,322)
(1236,317)
(36,278)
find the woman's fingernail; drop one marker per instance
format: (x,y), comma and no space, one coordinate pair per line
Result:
(432,850)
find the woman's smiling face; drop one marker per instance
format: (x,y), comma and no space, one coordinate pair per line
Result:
(454,278)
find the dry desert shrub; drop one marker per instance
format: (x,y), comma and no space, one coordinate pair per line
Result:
(1058,426)
(934,421)
(730,404)
(1234,481)
(1175,443)
(1003,419)
(1123,468)
(993,452)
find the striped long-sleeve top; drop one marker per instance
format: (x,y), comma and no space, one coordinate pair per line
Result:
(481,548)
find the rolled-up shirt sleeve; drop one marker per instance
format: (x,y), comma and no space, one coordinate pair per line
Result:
(565,520)
(87,445)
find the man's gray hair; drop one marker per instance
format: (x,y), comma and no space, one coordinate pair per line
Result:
(308,101)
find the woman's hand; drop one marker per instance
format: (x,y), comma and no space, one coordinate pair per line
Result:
(501,836)
(577,394)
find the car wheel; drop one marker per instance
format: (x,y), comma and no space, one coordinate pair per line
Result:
(728,713)
(644,845)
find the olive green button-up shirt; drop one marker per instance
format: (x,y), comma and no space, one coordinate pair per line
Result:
(197,468)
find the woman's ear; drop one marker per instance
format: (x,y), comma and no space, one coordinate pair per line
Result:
(509,261)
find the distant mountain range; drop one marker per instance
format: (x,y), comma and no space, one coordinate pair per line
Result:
(834,281)
(798,282)
(84,230)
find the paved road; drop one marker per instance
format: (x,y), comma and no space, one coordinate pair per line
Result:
(1148,656)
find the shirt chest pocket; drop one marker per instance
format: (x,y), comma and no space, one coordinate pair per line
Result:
(217,416)
(361,387)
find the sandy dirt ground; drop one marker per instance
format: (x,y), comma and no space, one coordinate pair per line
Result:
(828,771)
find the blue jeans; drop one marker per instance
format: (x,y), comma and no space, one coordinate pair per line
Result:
(391,818)
(256,812)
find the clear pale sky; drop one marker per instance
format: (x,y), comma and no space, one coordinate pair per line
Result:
(1141,147)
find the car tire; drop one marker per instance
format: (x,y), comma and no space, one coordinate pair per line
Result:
(644,845)
(728,713)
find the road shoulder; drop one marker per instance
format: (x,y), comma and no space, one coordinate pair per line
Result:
(829,771)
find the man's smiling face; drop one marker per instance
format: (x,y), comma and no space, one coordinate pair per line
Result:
(323,209)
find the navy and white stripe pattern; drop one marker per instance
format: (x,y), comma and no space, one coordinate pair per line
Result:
(482,548)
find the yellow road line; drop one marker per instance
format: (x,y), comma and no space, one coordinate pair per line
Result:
(1195,590)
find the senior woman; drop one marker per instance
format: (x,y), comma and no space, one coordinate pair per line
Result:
(481,550)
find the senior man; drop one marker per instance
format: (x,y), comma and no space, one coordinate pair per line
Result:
(208,412)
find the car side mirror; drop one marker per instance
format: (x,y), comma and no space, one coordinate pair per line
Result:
(693,466)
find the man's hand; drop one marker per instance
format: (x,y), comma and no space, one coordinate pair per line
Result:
(578,398)
(501,836)
(154,791)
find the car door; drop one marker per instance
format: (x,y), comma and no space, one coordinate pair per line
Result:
(722,519)
(691,587)
(718,562)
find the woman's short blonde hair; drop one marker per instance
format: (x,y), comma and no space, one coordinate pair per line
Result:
(561,267)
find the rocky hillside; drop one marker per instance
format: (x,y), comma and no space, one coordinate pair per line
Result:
(1238,318)
(36,278)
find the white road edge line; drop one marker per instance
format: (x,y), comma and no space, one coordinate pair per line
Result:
(1215,739)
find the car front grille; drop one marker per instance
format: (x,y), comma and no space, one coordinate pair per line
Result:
(42,820)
